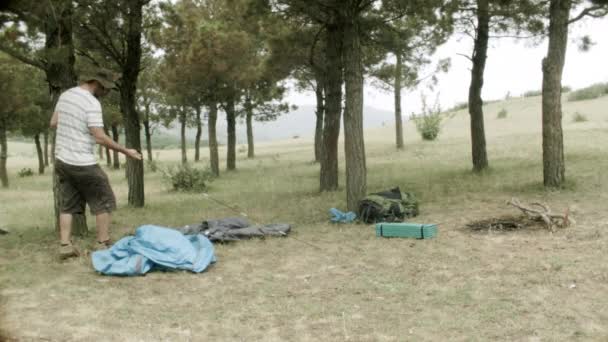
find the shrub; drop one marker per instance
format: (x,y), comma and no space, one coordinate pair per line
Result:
(578,117)
(459,106)
(152,165)
(533,93)
(589,93)
(428,123)
(186,178)
(25,172)
(502,114)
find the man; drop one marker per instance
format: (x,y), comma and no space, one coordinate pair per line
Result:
(79,124)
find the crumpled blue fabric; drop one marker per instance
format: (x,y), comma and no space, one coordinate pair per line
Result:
(342,217)
(155,247)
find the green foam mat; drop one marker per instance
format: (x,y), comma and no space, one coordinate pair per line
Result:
(406,230)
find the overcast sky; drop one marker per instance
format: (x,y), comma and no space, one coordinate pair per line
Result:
(512,66)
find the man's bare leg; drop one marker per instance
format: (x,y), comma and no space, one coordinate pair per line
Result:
(102,222)
(65,231)
(65,228)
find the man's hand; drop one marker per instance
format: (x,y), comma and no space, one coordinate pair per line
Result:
(104,140)
(131,153)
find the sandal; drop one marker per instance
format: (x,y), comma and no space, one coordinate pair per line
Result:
(67,251)
(103,245)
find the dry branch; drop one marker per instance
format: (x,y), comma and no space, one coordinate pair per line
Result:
(542,212)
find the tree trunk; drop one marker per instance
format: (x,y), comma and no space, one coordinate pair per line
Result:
(554,170)
(199,133)
(213,153)
(130,73)
(333,101)
(148,139)
(231,120)
(100,151)
(108,154)
(354,144)
(45,137)
(40,154)
(480,50)
(397,90)
(116,138)
(249,120)
(182,121)
(320,114)
(108,157)
(60,75)
(148,133)
(3,153)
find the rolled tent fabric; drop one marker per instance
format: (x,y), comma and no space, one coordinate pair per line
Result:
(234,229)
(155,247)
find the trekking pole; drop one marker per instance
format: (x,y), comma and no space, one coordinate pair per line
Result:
(206,195)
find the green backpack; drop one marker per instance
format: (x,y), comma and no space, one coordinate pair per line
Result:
(388,206)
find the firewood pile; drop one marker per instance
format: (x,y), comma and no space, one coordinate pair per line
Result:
(541,212)
(535,214)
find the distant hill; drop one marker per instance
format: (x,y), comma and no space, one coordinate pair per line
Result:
(300,122)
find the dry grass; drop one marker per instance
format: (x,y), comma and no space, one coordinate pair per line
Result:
(516,286)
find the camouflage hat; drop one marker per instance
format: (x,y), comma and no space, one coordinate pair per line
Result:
(105,77)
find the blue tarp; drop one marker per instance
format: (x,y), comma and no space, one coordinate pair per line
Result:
(155,247)
(342,217)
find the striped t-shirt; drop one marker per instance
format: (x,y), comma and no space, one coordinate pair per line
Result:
(78,110)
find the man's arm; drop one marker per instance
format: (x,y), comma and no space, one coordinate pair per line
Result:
(103,139)
(54,120)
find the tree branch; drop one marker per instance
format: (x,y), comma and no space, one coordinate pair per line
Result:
(590,11)
(311,57)
(83,53)
(364,5)
(102,43)
(465,56)
(519,37)
(21,57)
(25,16)
(397,16)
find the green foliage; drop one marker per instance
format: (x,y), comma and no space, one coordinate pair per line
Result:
(578,117)
(34,118)
(24,98)
(428,126)
(186,178)
(25,172)
(429,122)
(592,92)
(502,114)
(410,40)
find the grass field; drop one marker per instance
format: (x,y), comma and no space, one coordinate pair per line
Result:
(527,285)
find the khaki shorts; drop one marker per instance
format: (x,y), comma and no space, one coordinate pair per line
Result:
(80,185)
